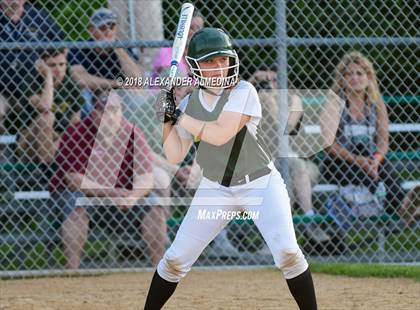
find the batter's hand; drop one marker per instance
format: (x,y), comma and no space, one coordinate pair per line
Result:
(166,110)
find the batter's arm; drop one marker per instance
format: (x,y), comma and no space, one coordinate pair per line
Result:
(217,132)
(175,147)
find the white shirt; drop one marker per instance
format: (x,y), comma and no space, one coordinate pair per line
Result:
(242,99)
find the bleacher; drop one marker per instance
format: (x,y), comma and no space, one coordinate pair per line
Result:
(22,202)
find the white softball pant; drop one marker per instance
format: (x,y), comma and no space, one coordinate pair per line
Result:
(267,195)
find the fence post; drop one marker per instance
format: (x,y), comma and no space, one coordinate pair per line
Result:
(281,36)
(132,22)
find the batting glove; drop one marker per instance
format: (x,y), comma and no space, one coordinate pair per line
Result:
(166,110)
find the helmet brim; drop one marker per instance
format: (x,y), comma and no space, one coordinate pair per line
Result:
(229,53)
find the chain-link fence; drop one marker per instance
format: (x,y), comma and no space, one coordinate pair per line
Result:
(70,158)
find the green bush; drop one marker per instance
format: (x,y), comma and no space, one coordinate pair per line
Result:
(36,257)
(309,67)
(73,15)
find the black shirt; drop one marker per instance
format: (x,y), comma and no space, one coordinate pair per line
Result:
(105,65)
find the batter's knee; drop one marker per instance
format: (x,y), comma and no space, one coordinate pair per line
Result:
(292,262)
(173,266)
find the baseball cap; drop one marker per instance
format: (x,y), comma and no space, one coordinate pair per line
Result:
(103,16)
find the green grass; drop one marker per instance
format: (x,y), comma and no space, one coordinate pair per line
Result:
(37,256)
(367,270)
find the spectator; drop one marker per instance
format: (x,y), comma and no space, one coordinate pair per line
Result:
(105,156)
(162,59)
(52,101)
(21,22)
(304,173)
(101,67)
(357,151)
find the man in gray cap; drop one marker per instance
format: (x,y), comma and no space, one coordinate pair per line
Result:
(101,67)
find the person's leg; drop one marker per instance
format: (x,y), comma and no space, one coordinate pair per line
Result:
(301,173)
(74,230)
(302,184)
(394,192)
(74,233)
(3,109)
(153,225)
(194,234)
(276,226)
(154,232)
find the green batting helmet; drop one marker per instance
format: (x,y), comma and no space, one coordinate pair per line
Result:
(206,44)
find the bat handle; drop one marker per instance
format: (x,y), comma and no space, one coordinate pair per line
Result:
(172,72)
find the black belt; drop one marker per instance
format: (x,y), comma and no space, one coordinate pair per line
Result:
(243,180)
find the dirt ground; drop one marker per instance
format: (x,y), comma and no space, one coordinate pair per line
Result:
(237,289)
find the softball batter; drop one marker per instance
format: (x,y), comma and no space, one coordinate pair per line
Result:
(222,117)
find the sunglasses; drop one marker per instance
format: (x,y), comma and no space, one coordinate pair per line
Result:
(107,26)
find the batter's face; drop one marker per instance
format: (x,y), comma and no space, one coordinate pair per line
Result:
(355,78)
(215,67)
